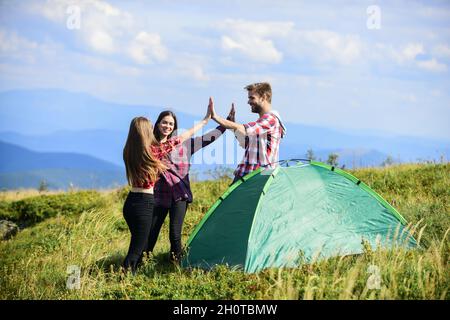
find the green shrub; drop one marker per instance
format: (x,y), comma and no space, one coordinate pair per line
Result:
(6,211)
(38,208)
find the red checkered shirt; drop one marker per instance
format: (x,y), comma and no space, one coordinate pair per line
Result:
(160,151)
(262,142)
(174,184)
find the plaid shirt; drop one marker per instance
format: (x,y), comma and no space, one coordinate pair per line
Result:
(174,184)
(262,142)
(160,151)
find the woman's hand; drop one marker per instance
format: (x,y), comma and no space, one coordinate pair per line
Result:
(189,133)
(210,112)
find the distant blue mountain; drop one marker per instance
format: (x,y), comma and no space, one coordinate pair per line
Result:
(102,144)
(22,168)
(402,148)
(62,179)
(15,158)
(59,121)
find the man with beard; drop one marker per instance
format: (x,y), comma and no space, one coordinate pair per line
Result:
(261,138)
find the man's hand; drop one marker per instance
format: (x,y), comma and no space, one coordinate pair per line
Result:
(239,136)
(227,124)
(231,115)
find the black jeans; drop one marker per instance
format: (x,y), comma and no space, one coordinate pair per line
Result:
(138,213)
(177,212)
(236,178)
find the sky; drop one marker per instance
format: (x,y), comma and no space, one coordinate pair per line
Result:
(365,66)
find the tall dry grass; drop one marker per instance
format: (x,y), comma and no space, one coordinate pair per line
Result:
(34,264)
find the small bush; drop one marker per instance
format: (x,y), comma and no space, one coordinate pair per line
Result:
(36,209)
(6,211)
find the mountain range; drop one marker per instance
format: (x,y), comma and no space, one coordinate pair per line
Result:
(23,168)
(90,133)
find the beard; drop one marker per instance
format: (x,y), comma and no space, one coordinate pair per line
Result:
(256,108)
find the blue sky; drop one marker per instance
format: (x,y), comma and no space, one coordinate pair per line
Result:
(326,66)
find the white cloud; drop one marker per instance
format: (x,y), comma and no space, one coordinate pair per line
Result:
(408,54)
(101,41)
(411,51)
(403,55)
(432,65)
(11,43)
(328,45)
(256,49)
(191,67)
(254,39)
(164,53)
(106,29)
(53,10)
(442,50)
(146,48)
(101,24)
(258,29)
(56,10)
(106,8)
(194,71)
(18,48)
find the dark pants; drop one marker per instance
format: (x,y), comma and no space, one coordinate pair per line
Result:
(236,179)
(177,213)
(138,213)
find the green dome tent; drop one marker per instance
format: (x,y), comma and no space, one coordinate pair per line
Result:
(271,217)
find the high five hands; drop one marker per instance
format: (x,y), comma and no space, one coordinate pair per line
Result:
(211,110)
(211,113)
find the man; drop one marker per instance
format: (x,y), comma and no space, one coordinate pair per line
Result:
(261,138)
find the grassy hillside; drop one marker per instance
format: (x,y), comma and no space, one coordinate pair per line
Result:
(87,229)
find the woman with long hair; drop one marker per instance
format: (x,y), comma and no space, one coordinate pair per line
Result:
(173,191)
(142,156)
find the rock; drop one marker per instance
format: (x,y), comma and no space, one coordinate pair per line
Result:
(8,229)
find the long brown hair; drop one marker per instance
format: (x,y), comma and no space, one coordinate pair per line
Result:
(140,163)
(157,132)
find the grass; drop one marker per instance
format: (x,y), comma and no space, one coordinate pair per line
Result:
(34,264)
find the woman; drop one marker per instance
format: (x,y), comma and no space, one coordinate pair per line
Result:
(173,191)
(142,157)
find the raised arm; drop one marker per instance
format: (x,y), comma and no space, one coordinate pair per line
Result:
(227,124)
(189,133)
(198,143)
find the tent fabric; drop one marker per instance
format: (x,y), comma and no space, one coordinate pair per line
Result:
(227,229)
(275,217)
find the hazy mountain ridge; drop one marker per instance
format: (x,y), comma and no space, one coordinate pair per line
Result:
(53,120)
(22,168)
